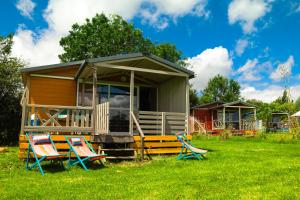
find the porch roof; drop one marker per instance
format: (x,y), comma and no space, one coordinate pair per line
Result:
(129,58)
(237,104)
(220,104)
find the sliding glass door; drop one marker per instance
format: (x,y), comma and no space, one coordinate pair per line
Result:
(118,96)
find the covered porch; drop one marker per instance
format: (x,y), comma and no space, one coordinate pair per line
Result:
(238,116)
(133,94)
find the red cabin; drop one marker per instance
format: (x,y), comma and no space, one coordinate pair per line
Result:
(238,117)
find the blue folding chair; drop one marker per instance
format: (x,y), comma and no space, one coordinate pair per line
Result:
(188,150)
(83,151)
(43,148)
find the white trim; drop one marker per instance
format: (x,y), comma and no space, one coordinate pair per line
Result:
(50,76)
(164,65)
(140,69)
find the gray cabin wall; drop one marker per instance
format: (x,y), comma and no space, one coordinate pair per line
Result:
(171,95)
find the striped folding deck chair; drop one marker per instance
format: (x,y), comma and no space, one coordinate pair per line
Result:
(188,150)
(43,148)
(83,151)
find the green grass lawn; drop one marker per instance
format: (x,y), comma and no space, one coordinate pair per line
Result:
(235,169)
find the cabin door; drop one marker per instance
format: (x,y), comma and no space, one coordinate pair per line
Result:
(102,118)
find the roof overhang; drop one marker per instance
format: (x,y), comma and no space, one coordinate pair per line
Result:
(140,62)
(145,66)
(219,104)
(53,66)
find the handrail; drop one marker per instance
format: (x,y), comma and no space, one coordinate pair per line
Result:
(62,107)
(200,125)
(142,136)
(23,97)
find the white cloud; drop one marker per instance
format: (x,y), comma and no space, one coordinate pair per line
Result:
(208,64)
(249,71)
(42,51)
(269,93)
(285,67)
(240,46)
(246,12)
(42,47)
(156,14)
(298,8)
(26,7)
(247,66)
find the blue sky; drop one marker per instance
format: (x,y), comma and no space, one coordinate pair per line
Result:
(248,40)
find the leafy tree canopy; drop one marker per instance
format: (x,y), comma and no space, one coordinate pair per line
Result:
(10,90)
(10,79)
(220,88)
(297,104)
(106,36)
(194,99)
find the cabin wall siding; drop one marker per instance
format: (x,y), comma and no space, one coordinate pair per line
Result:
(171,95)
(203,116)
(50,91)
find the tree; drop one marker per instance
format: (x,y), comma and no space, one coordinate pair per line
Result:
(167,51)
(297,104)
(283,99)
(220,88)
(194,99)
(106,36)
(10,90)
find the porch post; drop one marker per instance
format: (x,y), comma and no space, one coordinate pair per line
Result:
(212,120)
(131,102)
(24,104)
(187,103)
(255,124)
(240,119)
(224,125)
(94,99)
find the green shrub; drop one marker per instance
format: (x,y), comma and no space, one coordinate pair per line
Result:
(225,135)
(261,135)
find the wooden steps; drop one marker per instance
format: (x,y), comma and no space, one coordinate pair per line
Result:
(120,157)
(167,144)
(116,147)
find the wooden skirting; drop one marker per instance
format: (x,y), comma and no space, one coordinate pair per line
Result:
(159,144)
(167,144)
(59,141)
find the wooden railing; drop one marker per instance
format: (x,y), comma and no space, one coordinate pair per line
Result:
(245,125)
(55,118)
(218,124)
(278,125)
(141,133)
(24,99)
(248,125)
(102,118)
(196,126)
(162,122)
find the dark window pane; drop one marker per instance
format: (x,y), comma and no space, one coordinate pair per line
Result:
(119,120)
(102,93)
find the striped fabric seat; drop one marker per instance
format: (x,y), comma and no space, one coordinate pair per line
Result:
(42,148)
(83,151)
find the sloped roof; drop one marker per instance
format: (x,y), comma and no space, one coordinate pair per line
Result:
(220,104)
(297,114)
(208,105)
(82,63)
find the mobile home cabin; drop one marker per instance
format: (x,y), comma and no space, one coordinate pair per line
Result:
(239,117)
(130,96)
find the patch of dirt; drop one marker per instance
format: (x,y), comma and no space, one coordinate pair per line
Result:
(3,149)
